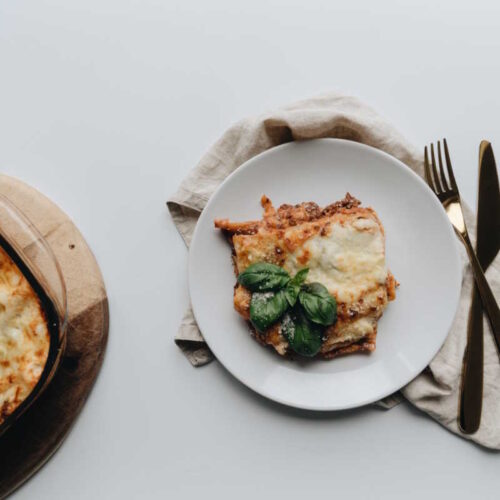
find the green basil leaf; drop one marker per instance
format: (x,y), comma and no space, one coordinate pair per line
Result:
(304,337)
(263,277)
(293,288)
(319,306)
(267,308)
(291,293)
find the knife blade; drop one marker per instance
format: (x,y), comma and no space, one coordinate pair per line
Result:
(488,213)
(487,246)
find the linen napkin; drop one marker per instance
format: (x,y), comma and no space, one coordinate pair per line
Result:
(435,391)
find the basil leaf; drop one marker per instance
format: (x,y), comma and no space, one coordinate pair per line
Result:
(293,288)
(301,276)
(291,293)
(263,277)
(267,308)
(304,337)
(319,306)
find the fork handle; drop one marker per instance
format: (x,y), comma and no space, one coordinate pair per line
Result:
(487,298)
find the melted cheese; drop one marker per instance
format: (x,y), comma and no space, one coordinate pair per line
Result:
(24,337)
(349,260)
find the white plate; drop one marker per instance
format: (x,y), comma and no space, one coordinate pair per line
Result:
(421,252)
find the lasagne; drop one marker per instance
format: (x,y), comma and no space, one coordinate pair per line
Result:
(342,245)
(24,337)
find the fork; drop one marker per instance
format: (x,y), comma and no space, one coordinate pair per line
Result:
(447,192)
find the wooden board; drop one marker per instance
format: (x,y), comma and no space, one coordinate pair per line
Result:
(36,436)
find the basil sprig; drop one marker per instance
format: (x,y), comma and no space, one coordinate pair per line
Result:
(305,310)
(263,277)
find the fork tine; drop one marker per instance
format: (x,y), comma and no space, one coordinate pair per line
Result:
(448,166)
(428,170)
(434,172)
(441,169)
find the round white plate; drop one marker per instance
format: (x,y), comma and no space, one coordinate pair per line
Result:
(421,252)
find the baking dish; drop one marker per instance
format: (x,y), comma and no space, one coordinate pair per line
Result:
(35,259)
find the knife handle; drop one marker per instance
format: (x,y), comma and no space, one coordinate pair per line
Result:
(487,298)
(471,391)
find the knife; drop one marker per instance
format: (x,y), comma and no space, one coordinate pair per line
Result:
(487,246)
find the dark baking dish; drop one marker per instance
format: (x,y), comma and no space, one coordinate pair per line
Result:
(36,261)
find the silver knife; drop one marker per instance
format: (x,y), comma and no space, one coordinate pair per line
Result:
(487,246)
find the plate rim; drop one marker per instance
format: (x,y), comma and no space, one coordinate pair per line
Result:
(459,272)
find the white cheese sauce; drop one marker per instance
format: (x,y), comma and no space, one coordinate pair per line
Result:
(349,261)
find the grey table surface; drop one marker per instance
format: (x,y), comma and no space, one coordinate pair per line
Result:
(105,105)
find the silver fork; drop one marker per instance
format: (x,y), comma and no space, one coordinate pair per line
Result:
(447,192)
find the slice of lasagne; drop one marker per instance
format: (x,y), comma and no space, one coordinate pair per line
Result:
(342,245)
(24,337)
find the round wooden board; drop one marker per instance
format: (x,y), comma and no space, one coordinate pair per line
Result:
(33,439)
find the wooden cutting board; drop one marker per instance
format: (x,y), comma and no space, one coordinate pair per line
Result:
(26,446)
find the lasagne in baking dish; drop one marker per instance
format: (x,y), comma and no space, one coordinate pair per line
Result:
(310,280)
(24,337)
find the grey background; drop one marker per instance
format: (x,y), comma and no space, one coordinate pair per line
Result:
(105,105)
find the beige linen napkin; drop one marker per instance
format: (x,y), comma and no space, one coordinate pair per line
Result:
(435,390)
